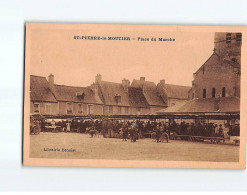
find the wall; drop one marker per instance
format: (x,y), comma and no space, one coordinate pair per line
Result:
(216,76)
(97,109)
(54,107)
(228,50)
(115,110)
(131,111)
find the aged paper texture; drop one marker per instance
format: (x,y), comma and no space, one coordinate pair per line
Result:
(156,96)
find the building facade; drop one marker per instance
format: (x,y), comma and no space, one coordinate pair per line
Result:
(42,101)
(216,84)
(219,76)
(48,98)
(103,97)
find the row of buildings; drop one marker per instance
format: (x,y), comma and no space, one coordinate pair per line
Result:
(215,88)
(103,97)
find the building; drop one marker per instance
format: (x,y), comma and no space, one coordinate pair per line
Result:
(103,97)
(149,90)
(216,84)
(173,94)
(163,95)
(48,98)
(219,76)
(42,100)
(121,98)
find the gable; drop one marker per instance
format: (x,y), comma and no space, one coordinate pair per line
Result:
(39,90)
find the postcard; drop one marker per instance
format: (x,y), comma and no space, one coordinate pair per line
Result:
(144,96)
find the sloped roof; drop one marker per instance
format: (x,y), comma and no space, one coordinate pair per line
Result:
(150,92)
(136,98)
(213,59)
(173,108)
(110,89)
(223,104)
(39,89)
(176,91)
(68,94)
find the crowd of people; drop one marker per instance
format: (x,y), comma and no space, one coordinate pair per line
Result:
(138,128)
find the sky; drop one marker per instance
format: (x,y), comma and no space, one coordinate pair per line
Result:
(76,62)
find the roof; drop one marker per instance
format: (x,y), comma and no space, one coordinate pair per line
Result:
(68,94)
(109,90)
(39,90)
(176,91)
(150,92)
(137,98)
(215,59)
(173,108)
(222,104)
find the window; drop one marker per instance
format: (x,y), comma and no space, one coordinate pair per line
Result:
(118,98)
(36,108)
(69,108)
(79,108)
(90,109)
(204,93)
(213,92)
(223,92)
(239,37)
(110,109)
(228,37)
(48,108)
(119,110)
(126,110)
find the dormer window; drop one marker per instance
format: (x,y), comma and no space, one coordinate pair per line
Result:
(80,95)
(118,98)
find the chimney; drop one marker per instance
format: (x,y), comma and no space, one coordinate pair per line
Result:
(126,84)
(163,82)
(95,89)
(142,78)
(51,81)
(98,78)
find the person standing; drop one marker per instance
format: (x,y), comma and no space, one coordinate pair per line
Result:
(104,127)
(110,128)
(158,133)
(68,126)
(125,131)
(221,134)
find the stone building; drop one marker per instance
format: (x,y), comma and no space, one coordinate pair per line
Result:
(216,84)
(120,98)
(219,76)
(103,97)
(173,94)
(42,100)
(48,98)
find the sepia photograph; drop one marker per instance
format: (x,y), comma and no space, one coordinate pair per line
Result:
(133,96)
